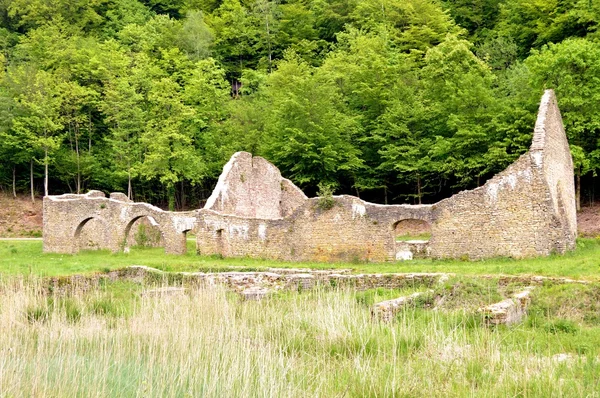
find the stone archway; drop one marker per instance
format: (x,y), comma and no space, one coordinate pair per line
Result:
(145,234)
(189,238)
(91,233)
(411,229)
(222,245)
(411,238)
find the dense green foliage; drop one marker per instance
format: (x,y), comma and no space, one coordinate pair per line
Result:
(393,100)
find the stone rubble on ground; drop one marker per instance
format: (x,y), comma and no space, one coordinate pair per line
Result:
(254,293)
(164,291)
(278,279)
(509,311)
(386,310)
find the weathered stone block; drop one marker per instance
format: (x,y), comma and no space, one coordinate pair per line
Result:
(509,311)
(386,310)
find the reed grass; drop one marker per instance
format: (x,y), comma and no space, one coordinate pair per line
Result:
(207,342)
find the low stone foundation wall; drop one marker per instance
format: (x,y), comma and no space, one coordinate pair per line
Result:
(278,279)
(509,311)
(385,310)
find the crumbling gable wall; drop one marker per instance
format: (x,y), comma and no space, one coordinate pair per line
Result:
(253,187)
(527,210)
(67,217)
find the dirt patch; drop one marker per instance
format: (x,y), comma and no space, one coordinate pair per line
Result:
(19,217)
(588,221)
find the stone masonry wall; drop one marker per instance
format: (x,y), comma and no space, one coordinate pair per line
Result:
(551,148)
(66,216)
(350,230)
(526,210)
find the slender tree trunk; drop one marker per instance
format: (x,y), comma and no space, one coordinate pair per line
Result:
(592,196)
(182,195)
(14,181)
(31,180)
(269,41)
(70,133)
(578,191)
(45,171)
(78,181)
(90,131)
(419,187)
(129,193)
(171,197)
(385,195)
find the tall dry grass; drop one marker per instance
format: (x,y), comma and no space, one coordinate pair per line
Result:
(208,343)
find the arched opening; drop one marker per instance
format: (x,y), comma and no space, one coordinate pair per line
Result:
(91,234)
(411,237)
(221,244)
(190,241)
(143,232)
(412,229)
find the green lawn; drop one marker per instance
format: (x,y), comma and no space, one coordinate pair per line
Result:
(26,257)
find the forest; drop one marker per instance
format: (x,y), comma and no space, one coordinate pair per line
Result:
(396,101)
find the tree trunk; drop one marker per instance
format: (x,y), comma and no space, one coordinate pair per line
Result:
(78,181)
(419,187)
(578,191)
(129,193)
(31,180)
(14,181)
(45,171)
(593,192)
(269,42)
(171,197)
(90,131)
(182,195)
(385,199)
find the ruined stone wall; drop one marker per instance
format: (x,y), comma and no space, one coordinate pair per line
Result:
(550,148)
(66,220)
(505,217)
(351,230)
(347,229)
(527,210)
(233,236)
(253,187)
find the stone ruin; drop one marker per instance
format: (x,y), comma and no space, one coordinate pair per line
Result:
(526,210)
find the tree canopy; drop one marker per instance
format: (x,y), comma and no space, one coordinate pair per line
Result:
(397,101)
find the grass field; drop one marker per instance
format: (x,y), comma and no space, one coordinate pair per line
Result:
(108,338)
(207,342)
(26,257)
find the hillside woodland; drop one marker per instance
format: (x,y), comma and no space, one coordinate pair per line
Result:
(397,101)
